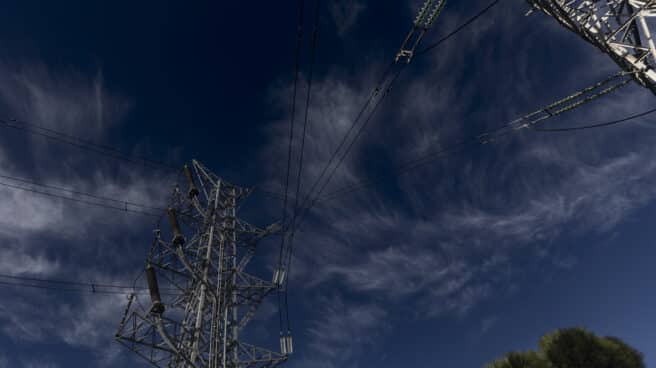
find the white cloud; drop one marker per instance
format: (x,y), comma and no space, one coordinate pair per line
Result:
(446,246)
(328,121)
(50,237)
(445,239)
(72,103)
(81,320)
(488,323)
(91,320)
(17,258)
(339,331)
(38,363)
(64,100)
(345,14)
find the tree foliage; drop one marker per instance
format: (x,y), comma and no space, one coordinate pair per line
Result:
(529,359)
(574,348)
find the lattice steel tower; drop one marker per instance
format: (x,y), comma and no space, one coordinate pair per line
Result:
(200,295)
(620,28)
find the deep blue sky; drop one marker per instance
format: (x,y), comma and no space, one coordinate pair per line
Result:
(449,266)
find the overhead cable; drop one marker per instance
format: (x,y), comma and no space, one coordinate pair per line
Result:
(595,125)
(311,199)
(125,208)
(531,120)
(309,195)
(317,196)
(68,282)
(77,192)
(459,28)
(299,43)
(98,201)
(67,285)
(300,160)
(85,144)
(58,288)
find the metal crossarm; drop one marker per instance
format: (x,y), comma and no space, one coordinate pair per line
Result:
(619,28)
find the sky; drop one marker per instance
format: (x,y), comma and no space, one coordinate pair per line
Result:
(450,265)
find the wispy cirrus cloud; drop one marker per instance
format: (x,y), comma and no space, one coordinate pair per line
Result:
(38,363)
(444,237)
(67,100)
(54,238)
(345,14)
(340,331)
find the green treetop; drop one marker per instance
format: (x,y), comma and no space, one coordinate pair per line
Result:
(574,348)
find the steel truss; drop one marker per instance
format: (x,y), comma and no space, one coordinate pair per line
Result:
(207,297)
(620,28)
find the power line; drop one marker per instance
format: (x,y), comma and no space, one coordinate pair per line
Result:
(354,123)
(299,44)
(530,120)
(118,204)
(93,289)
(77,192)
(57,288)
(317,197)
(300,160)
(43,283)
(406,167)
(97,148)
(307,206)
(459,28)
(65,282)
(85,144)
(597,125)
(307,112)
(78,200)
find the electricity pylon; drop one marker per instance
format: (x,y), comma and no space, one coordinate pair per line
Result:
(619,28)
(200,295)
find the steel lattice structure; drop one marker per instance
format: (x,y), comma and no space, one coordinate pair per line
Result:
(620,28)
(206,296)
